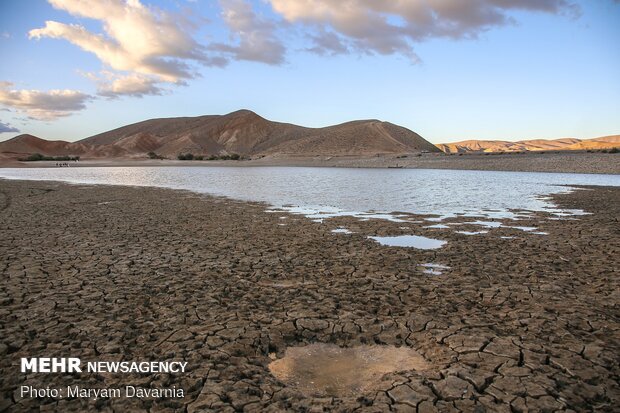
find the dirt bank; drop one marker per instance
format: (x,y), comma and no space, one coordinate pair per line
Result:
(565,162)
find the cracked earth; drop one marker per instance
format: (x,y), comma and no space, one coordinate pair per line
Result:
(529,323)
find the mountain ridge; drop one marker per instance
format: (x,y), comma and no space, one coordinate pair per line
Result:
(531,145)
(241,132)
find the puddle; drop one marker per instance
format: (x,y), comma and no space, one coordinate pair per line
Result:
(412,241)
(438,226)
(433,269)
(341,231)
(386,217)
(327,212)
(328,370)
(488,224)
(472,232)
(525,229)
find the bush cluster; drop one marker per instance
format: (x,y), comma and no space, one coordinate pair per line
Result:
(192,157)
(38,157)
(153,155)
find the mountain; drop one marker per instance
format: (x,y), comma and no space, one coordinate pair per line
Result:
(242,132)
(24,145)
(246,133)
(565,144)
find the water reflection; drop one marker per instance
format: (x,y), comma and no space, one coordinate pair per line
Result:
(366,193)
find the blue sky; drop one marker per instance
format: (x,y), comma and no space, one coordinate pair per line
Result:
(449,70)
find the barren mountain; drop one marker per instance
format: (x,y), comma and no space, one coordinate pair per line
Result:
(24,145)
(565,144)
(246,133)
(242,132)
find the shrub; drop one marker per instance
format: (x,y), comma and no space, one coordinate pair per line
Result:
(614,150)
(38,157)
(153,155)
(199,158)
(35,157)
(233,157)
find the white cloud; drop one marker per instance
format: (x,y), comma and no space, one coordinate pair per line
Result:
(41,105)
(144,47)
(390,27)
(137,38)
(113,85)
(255,35)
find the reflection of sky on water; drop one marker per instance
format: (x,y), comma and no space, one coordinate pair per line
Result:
(365,193)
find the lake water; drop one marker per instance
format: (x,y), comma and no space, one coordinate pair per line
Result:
(366,193)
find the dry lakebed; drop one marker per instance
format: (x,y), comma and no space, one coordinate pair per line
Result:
(275,312)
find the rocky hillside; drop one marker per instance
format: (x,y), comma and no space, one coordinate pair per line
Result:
(242,132)
(566,144)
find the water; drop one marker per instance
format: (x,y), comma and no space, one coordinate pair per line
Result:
(472,232)
(366,193)
(433,269)
(410,241)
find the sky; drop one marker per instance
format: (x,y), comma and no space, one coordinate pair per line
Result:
(449,70)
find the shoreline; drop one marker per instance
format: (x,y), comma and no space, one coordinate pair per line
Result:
(552,162)
(111,272)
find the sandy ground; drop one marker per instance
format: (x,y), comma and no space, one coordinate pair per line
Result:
(529,323)
(566,161)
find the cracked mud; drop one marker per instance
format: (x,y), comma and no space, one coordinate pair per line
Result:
(517,322)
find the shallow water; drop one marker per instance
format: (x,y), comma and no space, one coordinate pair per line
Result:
(410,241)
(328,370)
(341,231)
(433,269)
(472,232)
(366,193)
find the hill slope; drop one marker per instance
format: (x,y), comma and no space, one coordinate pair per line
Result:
(246,133)
(24,145)
(565,144)
(242,132)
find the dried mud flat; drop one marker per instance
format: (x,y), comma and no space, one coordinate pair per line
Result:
(529,323)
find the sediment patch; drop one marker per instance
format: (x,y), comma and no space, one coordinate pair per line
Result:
(329,370)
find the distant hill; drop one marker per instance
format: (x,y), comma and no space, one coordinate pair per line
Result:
(242,132)
(24,145)
(565,144)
